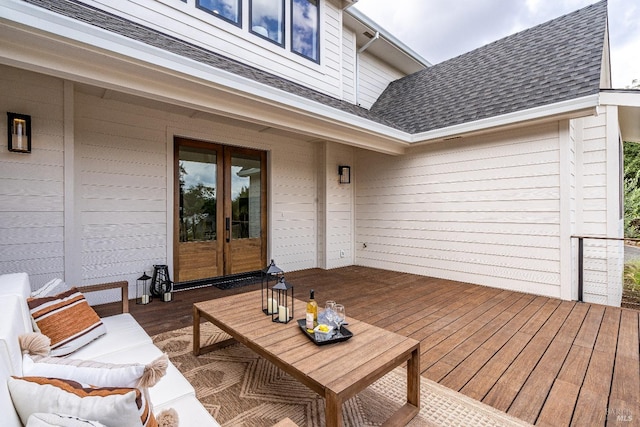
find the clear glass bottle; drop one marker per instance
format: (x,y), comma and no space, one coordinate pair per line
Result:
(312,312)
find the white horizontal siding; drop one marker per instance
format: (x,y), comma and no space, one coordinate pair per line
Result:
(123,187)
(31,185)
(348,65)
(597,204)
(483,210)
(186,22)
(121,197)
(339,208)
(375,76)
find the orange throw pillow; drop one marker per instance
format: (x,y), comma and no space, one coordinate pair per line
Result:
(67,319)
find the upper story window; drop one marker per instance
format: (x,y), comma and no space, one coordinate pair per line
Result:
(272,19)
(305,40)
(267,19)
(229,10)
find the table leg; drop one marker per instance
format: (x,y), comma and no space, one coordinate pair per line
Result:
(332,410)
(196,331)
(413,378)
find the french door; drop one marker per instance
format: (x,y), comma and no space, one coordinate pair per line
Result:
(220,210)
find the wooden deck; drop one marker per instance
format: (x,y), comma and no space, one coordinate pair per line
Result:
(545,361)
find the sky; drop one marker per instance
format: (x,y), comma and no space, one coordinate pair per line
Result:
(442,29)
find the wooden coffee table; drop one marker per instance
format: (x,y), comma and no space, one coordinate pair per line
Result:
(335,371)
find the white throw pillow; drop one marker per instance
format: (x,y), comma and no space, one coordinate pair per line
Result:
(109,405)
(98,374)
(59,420)
(52,287)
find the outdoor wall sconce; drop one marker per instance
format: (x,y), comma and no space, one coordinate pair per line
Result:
(345,174)
(19,132)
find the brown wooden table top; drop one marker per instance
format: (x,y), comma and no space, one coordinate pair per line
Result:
(343,367)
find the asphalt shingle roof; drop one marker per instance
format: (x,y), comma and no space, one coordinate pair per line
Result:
(552,62)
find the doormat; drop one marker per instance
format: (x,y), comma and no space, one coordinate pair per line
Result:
(237,280)
(223,282)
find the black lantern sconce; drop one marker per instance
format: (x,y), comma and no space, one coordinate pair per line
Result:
(161,284)
(142,289)
(19,132)
(272,271)
(282,293)
(345,174)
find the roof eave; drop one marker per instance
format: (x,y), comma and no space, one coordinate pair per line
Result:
(42,41)
(574,108)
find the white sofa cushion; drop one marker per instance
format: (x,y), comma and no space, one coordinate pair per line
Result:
(171,387)
(11,327)
(18,284)
(8,414)
(122,332)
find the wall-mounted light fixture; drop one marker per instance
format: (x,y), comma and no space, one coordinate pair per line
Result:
(19,132)
(345,174)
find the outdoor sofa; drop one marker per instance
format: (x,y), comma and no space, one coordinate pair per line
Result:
(125,342)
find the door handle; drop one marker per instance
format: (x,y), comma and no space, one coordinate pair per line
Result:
(228,228)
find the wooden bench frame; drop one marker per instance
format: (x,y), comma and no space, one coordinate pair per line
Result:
(124,291)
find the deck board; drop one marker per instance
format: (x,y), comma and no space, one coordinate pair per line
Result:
(546,361)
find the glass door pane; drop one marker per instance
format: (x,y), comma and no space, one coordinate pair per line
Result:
(245,197)
(198,191)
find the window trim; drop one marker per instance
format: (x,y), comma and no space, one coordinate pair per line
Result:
(224,18)
(283,26)
(318,33)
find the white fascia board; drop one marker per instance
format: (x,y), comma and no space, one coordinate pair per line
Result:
(579,106)
(56,26)
(394,41)
(621,98)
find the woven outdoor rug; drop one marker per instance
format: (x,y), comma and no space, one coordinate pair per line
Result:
(240,388)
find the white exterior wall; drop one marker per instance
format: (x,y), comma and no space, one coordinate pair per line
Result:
(185,21)
(348,65)
(339,209)
(125,170)
(482,210)
(598,202)
(375,76)
(32,185)
(120,188)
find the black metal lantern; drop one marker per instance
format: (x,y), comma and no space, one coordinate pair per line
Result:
(282,293)
(142,289)
(19,132)
(271,272)
(161,284)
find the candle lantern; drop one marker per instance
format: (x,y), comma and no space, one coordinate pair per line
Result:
(161,284)
(282,293)
(142,289)
(269,274)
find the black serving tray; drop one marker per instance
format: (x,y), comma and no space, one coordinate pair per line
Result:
(343,335)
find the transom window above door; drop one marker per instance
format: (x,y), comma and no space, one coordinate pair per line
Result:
(272,20)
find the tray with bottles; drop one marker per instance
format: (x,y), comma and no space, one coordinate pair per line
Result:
(328,335)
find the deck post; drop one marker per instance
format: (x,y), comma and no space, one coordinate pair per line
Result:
(580,268)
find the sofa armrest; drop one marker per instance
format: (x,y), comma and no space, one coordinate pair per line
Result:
(123,285)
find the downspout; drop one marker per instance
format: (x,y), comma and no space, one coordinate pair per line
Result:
(362,49)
